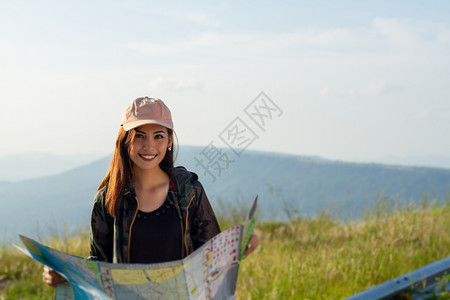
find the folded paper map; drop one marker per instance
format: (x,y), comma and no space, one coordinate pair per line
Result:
(210,272)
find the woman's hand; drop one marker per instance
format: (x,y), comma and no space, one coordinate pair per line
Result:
(52,278)
(252,244)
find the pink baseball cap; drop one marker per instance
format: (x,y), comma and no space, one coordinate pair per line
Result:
(147,110)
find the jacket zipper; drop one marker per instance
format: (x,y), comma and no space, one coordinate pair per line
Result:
(180,218)
(186,225)
(131,227)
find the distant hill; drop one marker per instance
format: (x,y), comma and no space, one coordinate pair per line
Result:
(19,167)
(433,161)
(285,183)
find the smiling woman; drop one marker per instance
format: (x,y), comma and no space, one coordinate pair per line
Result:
(146,210)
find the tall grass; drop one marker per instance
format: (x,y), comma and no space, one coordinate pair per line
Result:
(322,258)
(318,258)
(23,275)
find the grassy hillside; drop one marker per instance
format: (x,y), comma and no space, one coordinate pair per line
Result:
(317,258)
(324,259)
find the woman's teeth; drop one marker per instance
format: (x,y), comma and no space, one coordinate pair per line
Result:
(148,156)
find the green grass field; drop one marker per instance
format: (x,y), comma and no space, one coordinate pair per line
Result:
(318,258)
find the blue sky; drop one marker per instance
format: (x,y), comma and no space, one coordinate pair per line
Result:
(356,80)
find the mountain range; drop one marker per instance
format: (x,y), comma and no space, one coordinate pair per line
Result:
(23,166)
(287,185)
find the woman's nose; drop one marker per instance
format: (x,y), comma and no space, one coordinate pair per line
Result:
(148,143)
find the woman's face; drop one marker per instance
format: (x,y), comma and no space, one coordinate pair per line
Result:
(149,146)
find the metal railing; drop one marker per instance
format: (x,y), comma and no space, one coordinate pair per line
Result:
(424,283)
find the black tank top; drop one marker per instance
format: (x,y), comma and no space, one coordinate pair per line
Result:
(156,236)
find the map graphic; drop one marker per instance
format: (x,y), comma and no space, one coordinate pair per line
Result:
(210,272)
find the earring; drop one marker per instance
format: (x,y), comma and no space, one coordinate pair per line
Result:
(169,148)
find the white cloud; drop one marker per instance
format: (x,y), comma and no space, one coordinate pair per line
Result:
(380,35)
(152,48)
(373,88)
(395,31)
(175,84)
(423,114)
(324,92)
(202,18)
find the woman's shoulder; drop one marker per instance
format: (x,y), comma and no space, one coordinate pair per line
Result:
(183,178)
(99,197)
(181,173)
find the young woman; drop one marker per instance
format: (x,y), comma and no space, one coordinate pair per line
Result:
(146,210)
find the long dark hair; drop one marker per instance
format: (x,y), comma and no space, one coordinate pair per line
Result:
(119,173)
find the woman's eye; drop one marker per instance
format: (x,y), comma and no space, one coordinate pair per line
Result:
(159,136)
(138,135)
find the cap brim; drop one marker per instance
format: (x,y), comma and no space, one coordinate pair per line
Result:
(131,125)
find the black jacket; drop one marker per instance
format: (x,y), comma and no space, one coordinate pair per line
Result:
(110,237)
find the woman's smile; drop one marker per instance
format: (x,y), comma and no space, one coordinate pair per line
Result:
(148,157)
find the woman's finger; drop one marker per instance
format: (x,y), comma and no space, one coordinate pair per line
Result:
(252,244)
(52,278)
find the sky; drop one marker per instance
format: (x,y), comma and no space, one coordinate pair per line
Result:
(351,80)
